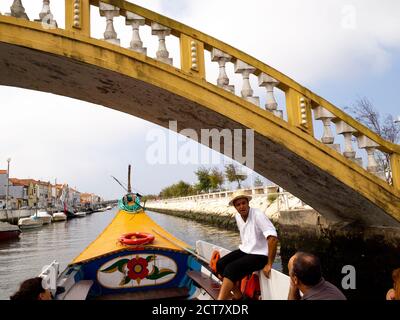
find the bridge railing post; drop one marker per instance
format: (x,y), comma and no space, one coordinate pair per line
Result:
(299,111)
(77,16)
(192,56)
(395,166)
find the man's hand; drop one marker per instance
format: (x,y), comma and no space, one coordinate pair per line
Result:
(267,270)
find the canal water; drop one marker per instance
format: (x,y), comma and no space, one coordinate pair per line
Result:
(63,241)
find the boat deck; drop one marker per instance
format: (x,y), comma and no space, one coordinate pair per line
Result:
(211,286)
(170,293)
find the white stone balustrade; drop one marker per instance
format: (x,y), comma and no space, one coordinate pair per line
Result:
(271,104)
(110,12)
(326,117)
(347,132)
(247,91)
(161,32)
(136,22)
(18,10)
(370,147)
(222,58)
(46,17)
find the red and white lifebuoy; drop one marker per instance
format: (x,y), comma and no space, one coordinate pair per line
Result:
(136,238)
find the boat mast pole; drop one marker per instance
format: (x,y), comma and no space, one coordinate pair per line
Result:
(129,179)
(8,186)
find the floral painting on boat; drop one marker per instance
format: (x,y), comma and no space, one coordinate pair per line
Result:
(137,270)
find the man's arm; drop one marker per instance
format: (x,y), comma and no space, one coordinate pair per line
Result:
(272,247)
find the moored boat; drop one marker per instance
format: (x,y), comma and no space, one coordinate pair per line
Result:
(44,216)
(59,216)
(8,231)
(80,214)
(30,223)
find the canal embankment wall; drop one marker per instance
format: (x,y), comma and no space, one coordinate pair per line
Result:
(12,216)
(293,218)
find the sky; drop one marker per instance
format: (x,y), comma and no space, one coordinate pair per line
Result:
(341,50)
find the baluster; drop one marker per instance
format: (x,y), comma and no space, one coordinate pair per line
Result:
(46,17)
(370,147)
(222,58)
(18,10)
(110,12)
(162,32)
(326,117)
(247,91)
(271,104)
(136,22)
(347,131)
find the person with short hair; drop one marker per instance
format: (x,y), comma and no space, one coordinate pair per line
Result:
(256,252)
(306,278)
(394,293)
(32,289)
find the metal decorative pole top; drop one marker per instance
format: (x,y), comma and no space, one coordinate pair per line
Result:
(129,179)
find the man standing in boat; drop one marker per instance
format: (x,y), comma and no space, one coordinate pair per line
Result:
(257,250)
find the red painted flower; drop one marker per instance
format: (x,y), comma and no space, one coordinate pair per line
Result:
(138,268)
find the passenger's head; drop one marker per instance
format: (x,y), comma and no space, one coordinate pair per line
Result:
(305,269)
(396,283)
(32,289)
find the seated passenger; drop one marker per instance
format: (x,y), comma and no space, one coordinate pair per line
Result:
(256,252)
(32,289)
(306,277)
(394,293)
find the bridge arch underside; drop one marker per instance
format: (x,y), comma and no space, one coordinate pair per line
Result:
(275,157)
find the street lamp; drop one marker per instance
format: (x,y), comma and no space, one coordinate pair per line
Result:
(8,185)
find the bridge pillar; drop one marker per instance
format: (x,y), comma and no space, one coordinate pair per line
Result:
(299,111)
(77,16)
(395,164)
(192,56)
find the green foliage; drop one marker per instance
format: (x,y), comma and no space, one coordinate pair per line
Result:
(272,197)
(233,174)
(204,180)
(216,179)
(180,189)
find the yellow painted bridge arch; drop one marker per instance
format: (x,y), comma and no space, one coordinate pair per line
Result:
(329,177)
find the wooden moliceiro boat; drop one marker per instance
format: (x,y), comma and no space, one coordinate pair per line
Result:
(136,259)
(110,268)
(114,267)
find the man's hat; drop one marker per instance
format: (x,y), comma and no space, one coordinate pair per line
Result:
(238,195)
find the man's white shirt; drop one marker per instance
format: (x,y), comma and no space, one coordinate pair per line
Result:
(254,232)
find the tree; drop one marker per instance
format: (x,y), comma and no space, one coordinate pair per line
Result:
(364,111)
(204,181)
(180,189)
(233,174)
(258,182)
(216,179)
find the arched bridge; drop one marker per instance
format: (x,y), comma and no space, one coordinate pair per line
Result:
(67,61)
